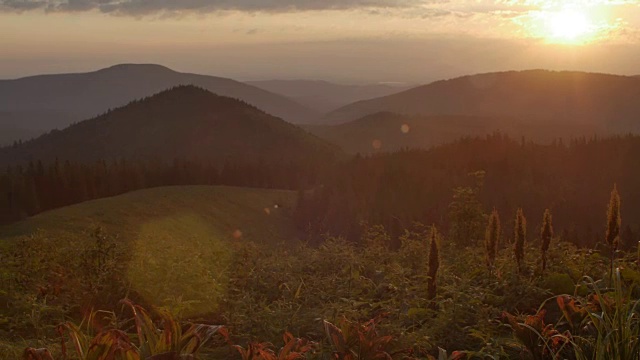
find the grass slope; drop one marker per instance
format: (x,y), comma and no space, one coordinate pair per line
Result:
(175,249)
(222,209)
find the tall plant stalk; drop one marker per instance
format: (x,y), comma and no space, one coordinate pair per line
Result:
(613,227)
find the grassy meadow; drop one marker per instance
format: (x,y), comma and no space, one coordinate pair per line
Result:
(229,256)
(169,246)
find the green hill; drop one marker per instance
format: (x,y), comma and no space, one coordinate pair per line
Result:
(168,246)
(221,209)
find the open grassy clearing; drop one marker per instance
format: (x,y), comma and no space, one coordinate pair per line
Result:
(169,246)
(223,209)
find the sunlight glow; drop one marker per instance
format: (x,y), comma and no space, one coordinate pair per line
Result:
(569,26)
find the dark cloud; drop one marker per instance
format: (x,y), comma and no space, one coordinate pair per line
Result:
(147,7)
(22,5)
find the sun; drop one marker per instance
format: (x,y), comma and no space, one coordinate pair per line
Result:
(568,26)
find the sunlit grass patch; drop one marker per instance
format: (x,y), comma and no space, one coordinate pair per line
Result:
(180,262)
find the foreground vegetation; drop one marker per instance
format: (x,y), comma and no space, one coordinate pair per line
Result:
(326,296)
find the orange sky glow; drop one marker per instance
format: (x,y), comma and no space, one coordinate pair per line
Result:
(348,41)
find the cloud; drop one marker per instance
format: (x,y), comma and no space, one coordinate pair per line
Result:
(149,7)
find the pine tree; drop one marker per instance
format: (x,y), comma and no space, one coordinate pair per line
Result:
(520,235)
(491,238)
(546,233)
(434,264)
(613,225)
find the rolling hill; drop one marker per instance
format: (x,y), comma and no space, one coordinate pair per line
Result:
(324,96)
(223,209)
(48,102)
(610,101)
(386,132)
(173,245)
(183,122)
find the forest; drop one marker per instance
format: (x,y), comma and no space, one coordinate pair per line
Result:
(456,185)
(486,247)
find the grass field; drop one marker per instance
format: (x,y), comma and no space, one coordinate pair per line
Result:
(222,210)
(174,245)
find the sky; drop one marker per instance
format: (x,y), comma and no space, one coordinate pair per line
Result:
(346,41)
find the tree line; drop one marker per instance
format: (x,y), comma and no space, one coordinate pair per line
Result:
(456,185)
(37,187)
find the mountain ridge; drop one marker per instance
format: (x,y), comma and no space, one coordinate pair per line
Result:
(388,131)
(53,101)
(325,96)
(529,94)
(182,122)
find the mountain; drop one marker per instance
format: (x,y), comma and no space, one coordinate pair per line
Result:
(323,96)
(386,132)
(604,100)
(183,122)
(48,102)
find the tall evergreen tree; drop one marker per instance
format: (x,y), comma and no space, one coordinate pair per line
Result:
(520,235)
(613,226)
(434,264)
(491,238)
(546,233)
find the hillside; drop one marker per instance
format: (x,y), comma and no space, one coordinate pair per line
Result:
(323,96)
(610,101)
(184,122)
(392,132)
(221,209)
(172,245)
(48,102)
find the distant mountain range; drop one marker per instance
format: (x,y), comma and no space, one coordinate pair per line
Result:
(323,96)
(183,122)
(387,132)
(608,101)
(540,105)
(41,103)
